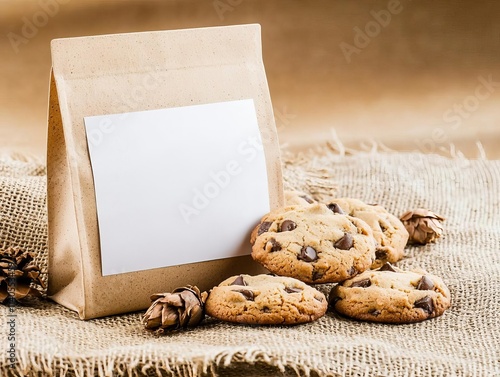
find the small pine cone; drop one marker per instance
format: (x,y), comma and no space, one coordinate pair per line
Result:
(182,308)
(17,275)
(424,226)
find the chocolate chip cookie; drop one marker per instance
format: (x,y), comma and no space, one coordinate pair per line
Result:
(313,244)
(389,232)
(391,295)
(293,198)
(265,300)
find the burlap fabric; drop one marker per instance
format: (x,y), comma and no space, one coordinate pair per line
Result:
(23,213)
(51,340)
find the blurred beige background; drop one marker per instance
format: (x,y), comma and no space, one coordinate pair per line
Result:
(413,75)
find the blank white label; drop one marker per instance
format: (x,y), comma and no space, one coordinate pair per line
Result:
(176,186)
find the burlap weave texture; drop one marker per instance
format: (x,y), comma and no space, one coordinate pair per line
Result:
(23,210)
(463,342)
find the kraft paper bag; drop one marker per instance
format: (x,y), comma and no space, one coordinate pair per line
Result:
(141,72)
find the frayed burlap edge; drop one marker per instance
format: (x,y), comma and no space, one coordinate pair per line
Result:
(306,169)
(211,365)
(14,155)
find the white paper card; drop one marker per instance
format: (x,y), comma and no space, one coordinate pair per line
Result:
(178,185)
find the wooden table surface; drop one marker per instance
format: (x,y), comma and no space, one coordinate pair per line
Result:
(411,75)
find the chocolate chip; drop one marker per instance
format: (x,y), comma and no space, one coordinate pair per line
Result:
(264,227)
(352,271)
(307,199)
(365,283)
(308,254)
(275,245)
(333,301)
(247,294)
(380,254)
(266,309)
(425,303)
(345,243)
(317,274)
(335,208)
(374,312)
(287,226)
(239,281)
(292,290)
(387,267)
(425,284)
